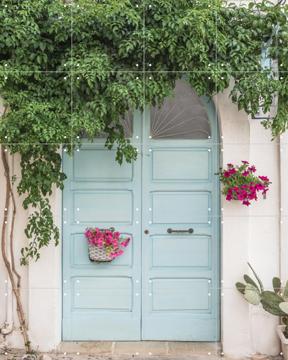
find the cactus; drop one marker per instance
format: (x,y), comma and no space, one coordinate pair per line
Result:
(274,302)
(250,290)
(270,302)
(276,285)
(284,307)
(250,281)
(252,294)
(256,277)
(240,287)
(284,321)
(285,292)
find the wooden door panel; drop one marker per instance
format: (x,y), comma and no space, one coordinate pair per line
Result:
(180,294)
(103,206)
(181,251)
(186,164)
(180,207)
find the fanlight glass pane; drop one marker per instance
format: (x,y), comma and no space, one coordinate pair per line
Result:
(182,116)
(127,123)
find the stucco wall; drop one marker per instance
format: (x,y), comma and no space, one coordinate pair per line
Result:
(248,234)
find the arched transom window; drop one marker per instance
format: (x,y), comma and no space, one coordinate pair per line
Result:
(182,116)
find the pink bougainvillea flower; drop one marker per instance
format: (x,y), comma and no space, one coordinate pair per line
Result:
(259,187)
(88,233)
(240,183)
(229,197)
(252,168)
(229,172)
(264,178)
(125,242)
(232,171)
(252,196)
(116,253)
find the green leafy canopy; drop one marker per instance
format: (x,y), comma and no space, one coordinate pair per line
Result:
(74,68)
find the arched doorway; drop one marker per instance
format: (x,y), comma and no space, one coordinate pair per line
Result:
(166,285)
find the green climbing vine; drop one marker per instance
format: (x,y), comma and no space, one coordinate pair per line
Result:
(73,68)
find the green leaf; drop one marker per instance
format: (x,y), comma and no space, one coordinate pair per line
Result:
(240,287)
(257,278)
(252,294)
(284,307)
(270,302)
(276,285)
(250,281)
(285,292)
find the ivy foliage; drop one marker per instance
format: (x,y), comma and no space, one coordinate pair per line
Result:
(74,68)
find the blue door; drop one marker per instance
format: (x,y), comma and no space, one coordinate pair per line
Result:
(101,301)
(165,286)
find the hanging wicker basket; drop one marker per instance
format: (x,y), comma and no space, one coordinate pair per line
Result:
(103,253)
(98,254)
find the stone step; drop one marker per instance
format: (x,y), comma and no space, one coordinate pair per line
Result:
(141,348)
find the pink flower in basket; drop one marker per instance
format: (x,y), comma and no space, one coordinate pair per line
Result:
(241,183)
(105,244)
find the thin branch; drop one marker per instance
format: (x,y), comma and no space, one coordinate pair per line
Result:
(12,226)
(12,238)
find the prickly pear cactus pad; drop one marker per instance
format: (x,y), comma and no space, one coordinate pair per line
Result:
(274,302)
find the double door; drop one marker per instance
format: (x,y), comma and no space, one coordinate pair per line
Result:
(165,285)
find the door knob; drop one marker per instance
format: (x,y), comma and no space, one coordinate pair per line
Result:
(146,232)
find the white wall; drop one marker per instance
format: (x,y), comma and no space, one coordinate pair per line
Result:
(248,234)
(45,279)
(284,206)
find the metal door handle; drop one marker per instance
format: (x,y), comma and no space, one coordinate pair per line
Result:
(189,231)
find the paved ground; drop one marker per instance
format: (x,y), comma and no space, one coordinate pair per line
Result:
(122,357)
(17,355)
(145,350)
